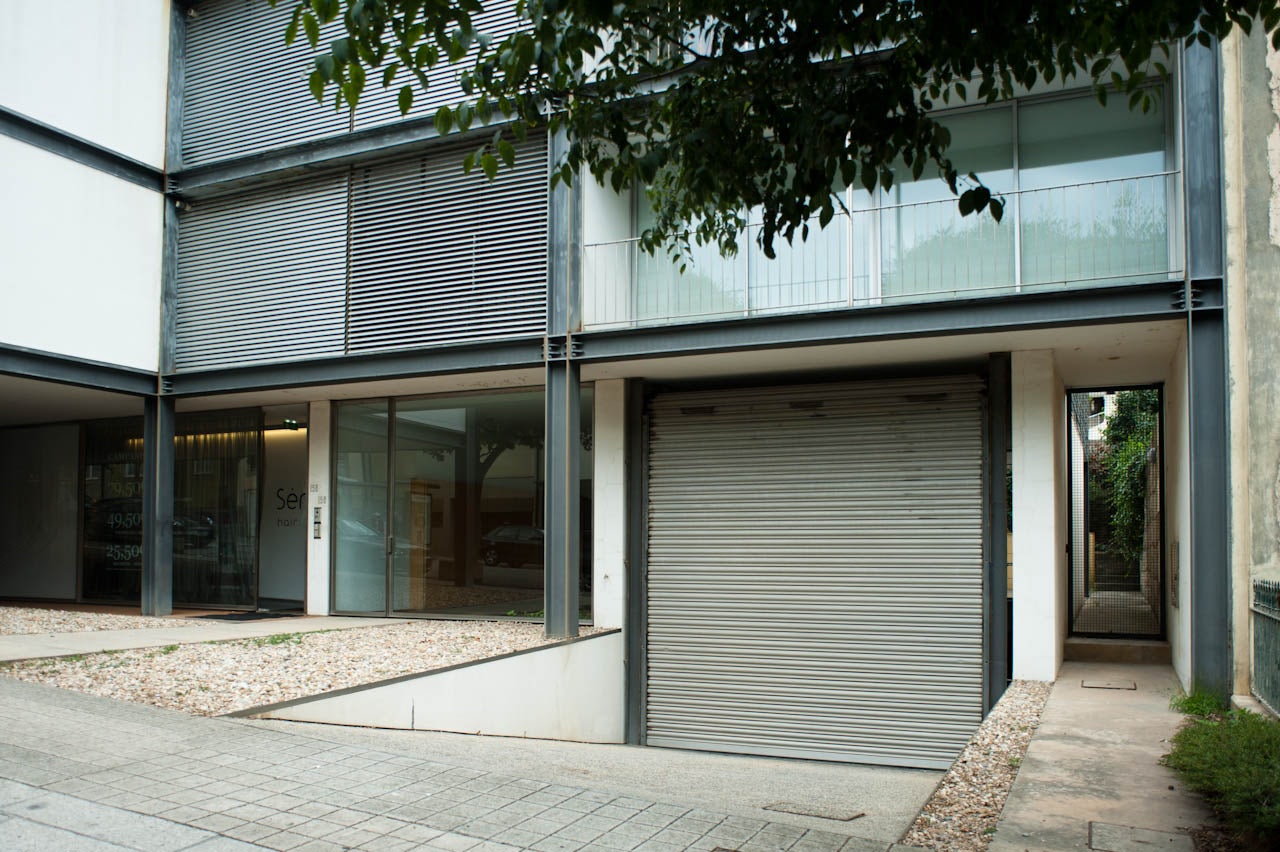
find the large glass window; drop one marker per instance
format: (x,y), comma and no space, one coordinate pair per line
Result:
(1095,193)
(926,246)
(112,510)
(460,529)
(360,508)
(215,511)
(215,508)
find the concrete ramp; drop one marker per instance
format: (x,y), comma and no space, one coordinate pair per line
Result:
(572,690)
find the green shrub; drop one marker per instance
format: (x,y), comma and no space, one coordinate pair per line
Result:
(1234,762)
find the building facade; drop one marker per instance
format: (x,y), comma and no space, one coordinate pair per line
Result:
(257,353)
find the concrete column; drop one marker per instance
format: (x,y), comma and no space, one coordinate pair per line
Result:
(1039,516)
(319,430)
(609,506)
(157,506)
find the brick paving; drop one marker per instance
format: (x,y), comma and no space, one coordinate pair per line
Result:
(86,773)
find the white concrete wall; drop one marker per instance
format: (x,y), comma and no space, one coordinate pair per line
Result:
(80,259)
(1177,515)
(319,429)
(609,524)
(286,516)
(571,691)
(97,69)
(1039,516)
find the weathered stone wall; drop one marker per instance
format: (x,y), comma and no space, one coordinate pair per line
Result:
(1251,122)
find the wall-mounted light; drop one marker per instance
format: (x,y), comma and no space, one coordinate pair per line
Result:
(290,423)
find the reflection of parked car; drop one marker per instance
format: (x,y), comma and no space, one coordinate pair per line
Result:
(514,544)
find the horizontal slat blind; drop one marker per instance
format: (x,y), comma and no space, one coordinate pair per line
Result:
(381,106)
(245,90)
(815,571)
(261,276)
(435,257)
(438,256)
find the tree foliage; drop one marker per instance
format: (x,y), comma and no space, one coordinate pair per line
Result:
(1129,435)
(719,107)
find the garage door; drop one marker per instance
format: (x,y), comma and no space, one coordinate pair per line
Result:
(815,570)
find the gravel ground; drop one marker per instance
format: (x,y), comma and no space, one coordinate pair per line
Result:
(212,678)
(26,620)
(961,815)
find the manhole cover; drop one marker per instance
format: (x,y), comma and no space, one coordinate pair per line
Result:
(1108,684)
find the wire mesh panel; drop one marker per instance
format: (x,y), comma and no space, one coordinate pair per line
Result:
(1116,488)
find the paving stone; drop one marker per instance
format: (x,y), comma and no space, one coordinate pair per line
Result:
(251,832)
(319,846)
(223,844)
(284,841)
(450,842)
(557,844)
(1108,837)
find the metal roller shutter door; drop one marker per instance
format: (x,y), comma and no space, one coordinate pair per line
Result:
(815,571)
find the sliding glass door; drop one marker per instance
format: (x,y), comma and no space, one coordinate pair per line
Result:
(439,505)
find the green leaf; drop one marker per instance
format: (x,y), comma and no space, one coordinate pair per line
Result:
(405,99)
(444,120)
(996,206)
(489,165)
(291,31)
(507,152)
(469,163)
(389,74)
(311,28)
(317,83)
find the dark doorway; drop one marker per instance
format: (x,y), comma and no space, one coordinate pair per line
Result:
(1116,491)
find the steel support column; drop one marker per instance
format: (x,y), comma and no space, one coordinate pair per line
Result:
(563,539)
(157,506)
(1204,303)
(563,505)
(996,624)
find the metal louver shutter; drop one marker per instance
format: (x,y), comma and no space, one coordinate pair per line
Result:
(438,256)
(815,571)
(245,90)
(381,106)
(261,276)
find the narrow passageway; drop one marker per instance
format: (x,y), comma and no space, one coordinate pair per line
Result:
(1094,769)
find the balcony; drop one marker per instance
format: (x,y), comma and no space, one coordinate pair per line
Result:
(1118,231)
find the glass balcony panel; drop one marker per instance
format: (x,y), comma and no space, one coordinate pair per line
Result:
(1090,197)
(928,248)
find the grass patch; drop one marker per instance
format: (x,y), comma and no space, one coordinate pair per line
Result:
(279,639)
(1233,760)
(1201,703)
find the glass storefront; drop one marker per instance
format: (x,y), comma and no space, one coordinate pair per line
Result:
(439,508)
(215,508)
(215,516)
(112,554)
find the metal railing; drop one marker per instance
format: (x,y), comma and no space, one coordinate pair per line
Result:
(1086,234)
(1266,642)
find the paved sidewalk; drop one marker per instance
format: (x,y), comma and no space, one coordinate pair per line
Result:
(26,646)
(89,773)
(1092,778)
